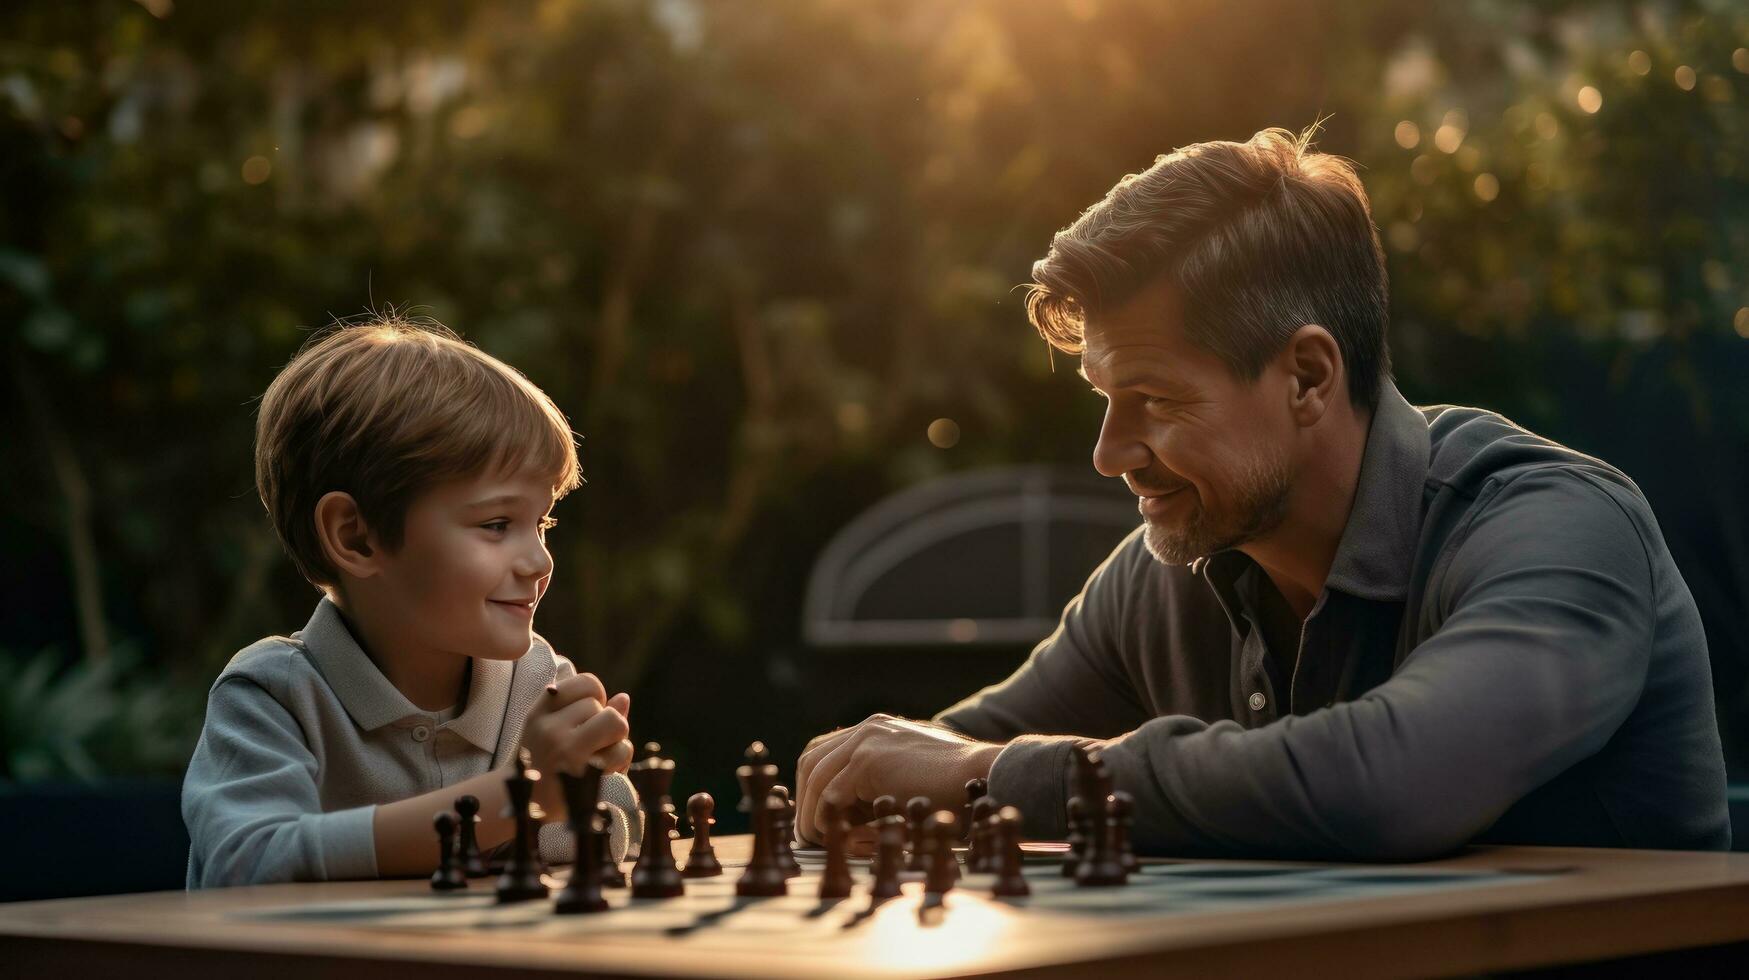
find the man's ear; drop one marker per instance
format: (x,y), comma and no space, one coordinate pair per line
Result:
(1313,361)
(346,540)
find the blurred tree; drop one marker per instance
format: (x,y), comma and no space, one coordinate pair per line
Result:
(753,249)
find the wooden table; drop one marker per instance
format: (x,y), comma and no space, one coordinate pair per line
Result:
(1556,905)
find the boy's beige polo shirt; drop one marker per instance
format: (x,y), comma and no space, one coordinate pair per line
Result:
(304,737)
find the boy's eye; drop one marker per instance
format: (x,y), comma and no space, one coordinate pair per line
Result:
(499,526)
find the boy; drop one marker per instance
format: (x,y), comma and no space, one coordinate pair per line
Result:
(409,476)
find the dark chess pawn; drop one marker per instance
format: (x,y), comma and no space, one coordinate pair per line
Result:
(521,880)
(1077,837)
(467,809)
(884,806)
(655,875)
(942,829)
(835,881)
(701,861)
(764,876)
(889,859)
(1123,815)
(976,789)
(1010,882)
(611,875)
(916,811)
(784,833)
(448,875)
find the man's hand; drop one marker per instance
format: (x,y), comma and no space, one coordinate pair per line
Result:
(885,756)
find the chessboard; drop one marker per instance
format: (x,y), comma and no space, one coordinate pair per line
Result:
(1486,910)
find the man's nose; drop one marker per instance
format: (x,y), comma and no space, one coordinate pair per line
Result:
(1118,450)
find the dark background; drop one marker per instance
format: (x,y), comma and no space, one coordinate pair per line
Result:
(753,250)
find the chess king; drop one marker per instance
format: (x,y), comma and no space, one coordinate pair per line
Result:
(1347,626)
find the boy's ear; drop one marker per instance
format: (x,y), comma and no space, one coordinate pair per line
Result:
(346,540)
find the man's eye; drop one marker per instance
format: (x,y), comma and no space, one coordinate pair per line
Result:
(1155,401)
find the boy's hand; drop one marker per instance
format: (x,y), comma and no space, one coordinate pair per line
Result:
(568,726)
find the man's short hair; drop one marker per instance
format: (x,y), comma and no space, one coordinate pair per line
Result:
(1259,238)
(384,409)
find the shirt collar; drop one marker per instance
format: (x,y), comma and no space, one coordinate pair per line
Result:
(372,702)
(1377,548)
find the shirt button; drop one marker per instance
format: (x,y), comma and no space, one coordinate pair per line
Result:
(1257,701)
(421,733)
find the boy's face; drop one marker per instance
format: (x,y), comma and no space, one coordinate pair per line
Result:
(473,564)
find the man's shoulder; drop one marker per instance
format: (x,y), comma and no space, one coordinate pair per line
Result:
(1471,448)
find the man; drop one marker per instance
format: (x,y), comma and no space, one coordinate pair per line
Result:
(1348,627)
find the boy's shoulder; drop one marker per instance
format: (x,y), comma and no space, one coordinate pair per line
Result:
(276,664)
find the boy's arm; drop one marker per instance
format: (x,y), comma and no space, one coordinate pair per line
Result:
(406,843)
(251,804)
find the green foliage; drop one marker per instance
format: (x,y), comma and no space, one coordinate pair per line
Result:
(91,719)
(753,249)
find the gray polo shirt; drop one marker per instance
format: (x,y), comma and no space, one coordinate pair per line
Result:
(1503,651)
(304,737)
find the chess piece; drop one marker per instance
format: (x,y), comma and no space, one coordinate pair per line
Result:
(784,833)
(701,861)
(521,880)
(835,881)
(655,875)
(764,876)
(976,789)
(1010,882)
(1077,837)
(884,806)
(1123,815)
(611,875)
(916,812)
(942,829)
(448,876)
(1102,865)
(467,808)
(982,855)
(582,893)
(889,858)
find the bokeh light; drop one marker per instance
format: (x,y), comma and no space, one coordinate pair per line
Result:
(944,433)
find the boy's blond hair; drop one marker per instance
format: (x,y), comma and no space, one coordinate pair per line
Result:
(385,408)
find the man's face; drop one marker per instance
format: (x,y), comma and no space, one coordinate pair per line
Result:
(473,564)
(1209,455)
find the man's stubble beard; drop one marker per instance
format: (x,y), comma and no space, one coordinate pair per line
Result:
(1261,505)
